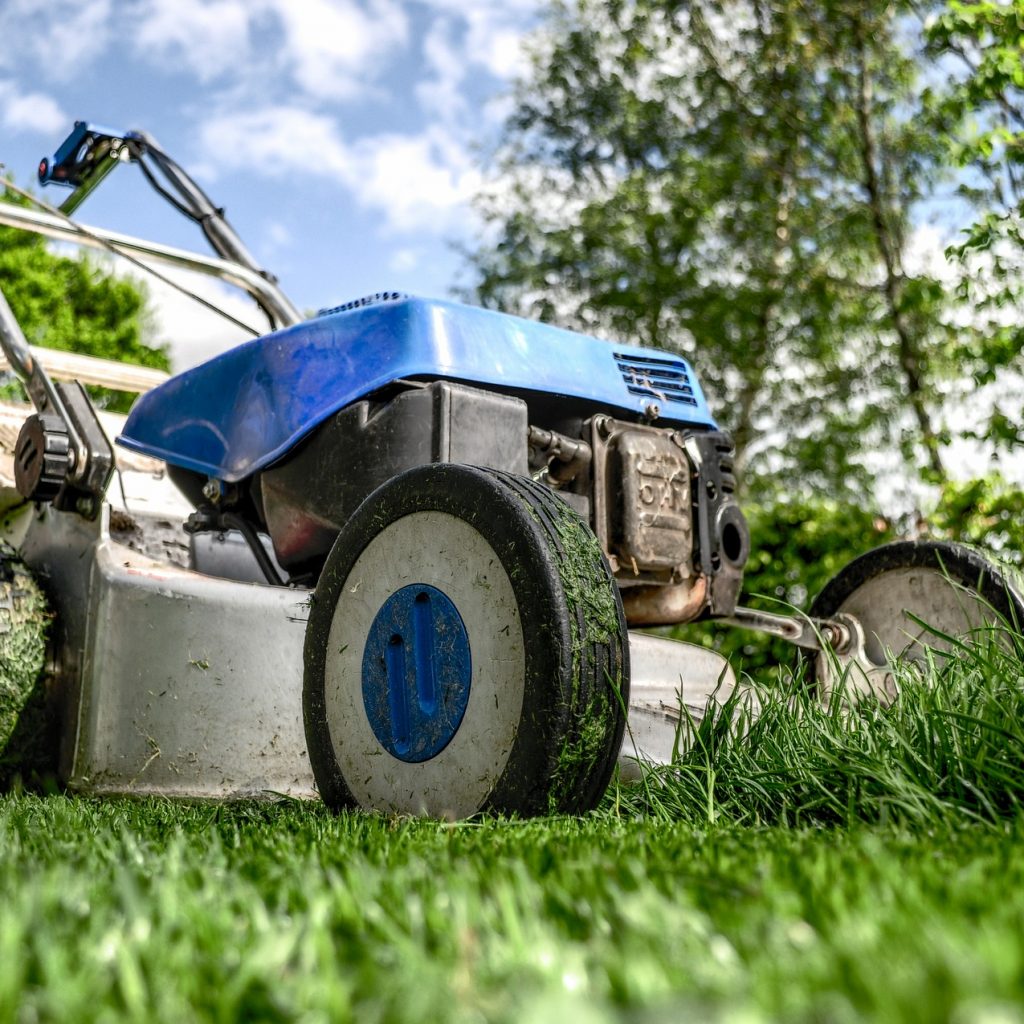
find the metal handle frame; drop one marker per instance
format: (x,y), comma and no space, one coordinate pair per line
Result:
(266,294)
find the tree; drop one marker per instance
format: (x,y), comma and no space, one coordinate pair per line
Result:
(72,305)
(979,114)
(735,179)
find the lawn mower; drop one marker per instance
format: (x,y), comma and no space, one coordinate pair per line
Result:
(400,554)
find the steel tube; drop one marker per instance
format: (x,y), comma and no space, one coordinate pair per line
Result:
(282,312)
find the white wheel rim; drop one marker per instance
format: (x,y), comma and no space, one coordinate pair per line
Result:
(445,552)
(889,606)
(894,610)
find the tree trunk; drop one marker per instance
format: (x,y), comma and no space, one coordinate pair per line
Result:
(911,358)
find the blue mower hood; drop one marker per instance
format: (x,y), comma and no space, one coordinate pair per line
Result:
(238,413)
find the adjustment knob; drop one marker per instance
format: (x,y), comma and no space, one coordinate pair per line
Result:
(42,458)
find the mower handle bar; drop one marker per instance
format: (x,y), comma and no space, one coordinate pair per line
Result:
(281,312)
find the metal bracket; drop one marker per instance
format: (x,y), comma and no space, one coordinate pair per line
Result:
(84,159)
(811,634)
(89,456)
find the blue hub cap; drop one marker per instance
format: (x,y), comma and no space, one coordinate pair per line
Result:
(416,673)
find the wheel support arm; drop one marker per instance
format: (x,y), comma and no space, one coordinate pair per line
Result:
(811,634)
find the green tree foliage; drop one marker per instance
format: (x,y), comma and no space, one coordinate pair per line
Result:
(735,179)
(987,512)
(73,305)
(979,112)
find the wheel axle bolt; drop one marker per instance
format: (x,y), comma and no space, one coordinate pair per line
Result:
(836,637)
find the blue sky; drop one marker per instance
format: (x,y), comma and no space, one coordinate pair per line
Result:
(342,136)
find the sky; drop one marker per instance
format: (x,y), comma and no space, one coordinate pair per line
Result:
(343,137)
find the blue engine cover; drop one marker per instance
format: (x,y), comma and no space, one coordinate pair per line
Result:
(238,413)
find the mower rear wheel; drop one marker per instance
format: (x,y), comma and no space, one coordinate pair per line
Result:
(466,650)
(907,600)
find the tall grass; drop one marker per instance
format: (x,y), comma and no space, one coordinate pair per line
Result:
(950,745)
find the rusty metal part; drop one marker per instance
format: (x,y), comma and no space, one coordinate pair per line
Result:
(564,457)
(665,606)
(653,527)
(811,634)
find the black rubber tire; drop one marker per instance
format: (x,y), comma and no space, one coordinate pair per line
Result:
(576,651)
(964,567)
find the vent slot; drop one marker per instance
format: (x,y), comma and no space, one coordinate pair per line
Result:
(663,378)
(366,300)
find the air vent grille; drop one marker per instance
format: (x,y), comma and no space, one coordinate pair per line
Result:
(660,377)
(366,300)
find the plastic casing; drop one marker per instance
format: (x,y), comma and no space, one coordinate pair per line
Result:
(236,414)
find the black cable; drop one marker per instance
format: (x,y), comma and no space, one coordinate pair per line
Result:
(168,164)
(236,522)
(181,207)
(164,161)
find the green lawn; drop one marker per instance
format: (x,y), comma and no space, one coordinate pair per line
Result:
(167,912)
(818,865)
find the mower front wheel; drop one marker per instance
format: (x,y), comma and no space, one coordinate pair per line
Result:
(466,650)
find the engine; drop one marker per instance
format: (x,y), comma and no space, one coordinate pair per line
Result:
(661,500)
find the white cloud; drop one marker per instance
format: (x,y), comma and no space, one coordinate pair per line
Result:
(328,49)
(404,260)
(926,253)
(286,69)
(278,235)
(334,47)
(420,181)
(494,30)
(30,111)
(496,46)
(208,37)
(274,141)
(417,181)
(440,95)
(62,36)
